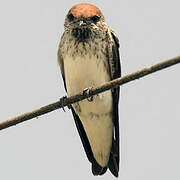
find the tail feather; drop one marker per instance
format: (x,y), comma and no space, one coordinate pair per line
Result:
(113,164)
(97,169)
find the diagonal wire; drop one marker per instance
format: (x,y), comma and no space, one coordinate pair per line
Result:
(70,100)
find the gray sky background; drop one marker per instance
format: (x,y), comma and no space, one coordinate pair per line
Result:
(49,147)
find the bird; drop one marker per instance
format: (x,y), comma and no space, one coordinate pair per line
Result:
(88,56)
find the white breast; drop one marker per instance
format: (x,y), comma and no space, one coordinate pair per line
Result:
(84,72)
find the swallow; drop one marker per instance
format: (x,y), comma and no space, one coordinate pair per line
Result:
(88,56)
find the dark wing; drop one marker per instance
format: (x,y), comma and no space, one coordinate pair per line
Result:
(96,168)
(61,61)
(115,69)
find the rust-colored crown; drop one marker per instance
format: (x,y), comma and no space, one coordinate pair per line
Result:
(84,10)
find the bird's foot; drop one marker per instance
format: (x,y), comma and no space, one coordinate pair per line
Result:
(62,103)
(87,91)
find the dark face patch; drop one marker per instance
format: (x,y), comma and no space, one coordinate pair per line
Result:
(81,34)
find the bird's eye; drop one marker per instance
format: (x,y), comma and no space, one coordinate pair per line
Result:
(70,17)
(95,19)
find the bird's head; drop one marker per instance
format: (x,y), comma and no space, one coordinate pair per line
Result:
(84,20)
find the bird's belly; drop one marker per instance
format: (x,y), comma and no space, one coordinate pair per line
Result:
(96,116)
(85,72)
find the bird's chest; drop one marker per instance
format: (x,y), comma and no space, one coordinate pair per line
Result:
(84,71)
(85,66)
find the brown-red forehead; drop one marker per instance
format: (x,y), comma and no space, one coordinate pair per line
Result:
(85,11)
